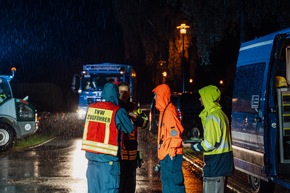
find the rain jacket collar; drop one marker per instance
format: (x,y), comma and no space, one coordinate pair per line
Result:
(110,93)
(162,98)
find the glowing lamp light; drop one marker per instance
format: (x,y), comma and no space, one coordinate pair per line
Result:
(164,73)
(182,28)
(133,74)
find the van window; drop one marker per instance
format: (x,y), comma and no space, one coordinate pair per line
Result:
(5,92)
(248,82)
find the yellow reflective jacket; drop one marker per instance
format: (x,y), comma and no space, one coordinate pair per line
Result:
(217,145)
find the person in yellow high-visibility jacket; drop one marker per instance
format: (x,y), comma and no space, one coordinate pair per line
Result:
(216,146)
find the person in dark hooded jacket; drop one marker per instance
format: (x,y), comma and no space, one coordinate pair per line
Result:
(104,124)
(130,156)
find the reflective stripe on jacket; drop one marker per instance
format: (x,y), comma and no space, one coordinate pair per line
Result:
(216,129)
(100,132)
(129,145)
(129,140)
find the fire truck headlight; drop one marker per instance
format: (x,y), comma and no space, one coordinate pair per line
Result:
(82,113)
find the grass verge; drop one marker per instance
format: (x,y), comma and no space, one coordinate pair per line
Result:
(31,141)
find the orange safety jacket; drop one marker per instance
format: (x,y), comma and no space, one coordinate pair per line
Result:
(100,132)
(169,133)
(169,128)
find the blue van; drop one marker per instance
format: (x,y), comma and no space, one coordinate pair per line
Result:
(260,117)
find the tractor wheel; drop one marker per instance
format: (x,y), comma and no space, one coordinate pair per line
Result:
(6,137)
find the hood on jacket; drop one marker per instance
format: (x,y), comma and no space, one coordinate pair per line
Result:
(210,96)
(110,93)
(162,96)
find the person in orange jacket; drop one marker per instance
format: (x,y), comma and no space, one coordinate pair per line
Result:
(169,142)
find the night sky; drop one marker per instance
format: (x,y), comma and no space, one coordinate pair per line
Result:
(50,36)
(48,41)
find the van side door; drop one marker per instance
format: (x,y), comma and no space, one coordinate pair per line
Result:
(247,106)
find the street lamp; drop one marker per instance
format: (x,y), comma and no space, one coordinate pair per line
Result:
(164,74)
(182,28)
(163,68)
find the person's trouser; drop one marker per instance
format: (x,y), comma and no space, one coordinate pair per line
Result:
(128,176)
(171,175)
(103,177)
(214,184)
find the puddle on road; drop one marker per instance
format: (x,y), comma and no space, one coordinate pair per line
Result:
(47,184)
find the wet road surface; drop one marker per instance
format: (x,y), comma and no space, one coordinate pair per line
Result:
(59,166)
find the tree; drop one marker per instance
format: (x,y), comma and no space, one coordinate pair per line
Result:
(150,33)
(148,27)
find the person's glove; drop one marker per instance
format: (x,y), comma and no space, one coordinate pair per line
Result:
(142,118)
(139,163)
(186,145)
(137,111)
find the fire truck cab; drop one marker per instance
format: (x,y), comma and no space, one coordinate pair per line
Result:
(89,83)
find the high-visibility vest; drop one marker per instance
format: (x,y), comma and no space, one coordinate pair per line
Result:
(100,132)
(129,146)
